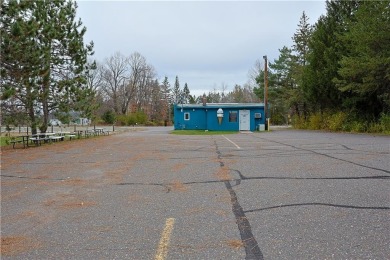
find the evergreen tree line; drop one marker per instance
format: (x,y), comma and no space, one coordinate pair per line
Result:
(339,67)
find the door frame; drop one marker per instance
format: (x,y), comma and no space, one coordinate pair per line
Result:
(244,123)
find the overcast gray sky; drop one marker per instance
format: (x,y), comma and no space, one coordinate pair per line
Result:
(205,43)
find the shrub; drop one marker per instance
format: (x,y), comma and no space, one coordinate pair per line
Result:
(346,127)
(5,140)
(278,119)
(109,117)
(342,121)
(298,122)
(121,120)
(131,119)
(315,122)
(374,128)
(139,118)
(385,122)
(358,127)
(335,122)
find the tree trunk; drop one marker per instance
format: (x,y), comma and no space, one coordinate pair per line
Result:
(45,104)
(29,103)
(31,115)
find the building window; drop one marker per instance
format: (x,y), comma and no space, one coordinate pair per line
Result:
(233,116)
(187,116)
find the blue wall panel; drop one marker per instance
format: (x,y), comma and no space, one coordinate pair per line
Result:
(205,117)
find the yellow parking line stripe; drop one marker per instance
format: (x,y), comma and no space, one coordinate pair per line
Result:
(162,250)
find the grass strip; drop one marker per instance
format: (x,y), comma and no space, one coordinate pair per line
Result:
(201,132)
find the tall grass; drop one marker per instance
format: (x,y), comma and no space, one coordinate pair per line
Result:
(341,121)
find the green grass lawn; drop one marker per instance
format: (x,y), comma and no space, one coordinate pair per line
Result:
(202,132)
(4,140)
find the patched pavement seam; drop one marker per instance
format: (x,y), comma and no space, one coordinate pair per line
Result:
(252,249)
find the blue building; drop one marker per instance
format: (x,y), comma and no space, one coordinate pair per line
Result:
(219,116)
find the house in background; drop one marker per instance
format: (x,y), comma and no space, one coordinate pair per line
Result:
(219,116)
(82,121)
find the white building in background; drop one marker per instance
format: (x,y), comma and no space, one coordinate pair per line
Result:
(83,121)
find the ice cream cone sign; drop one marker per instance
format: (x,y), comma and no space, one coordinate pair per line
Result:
(220,115)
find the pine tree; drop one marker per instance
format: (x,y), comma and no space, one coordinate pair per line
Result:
(300,50)
(282,87)
(20,64)
(186,93)
(167,96)
(326,51)
(301,39)
(365,69)
(177,91)
(44,60)
(166,90)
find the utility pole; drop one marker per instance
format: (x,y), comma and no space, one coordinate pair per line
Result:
(266,91)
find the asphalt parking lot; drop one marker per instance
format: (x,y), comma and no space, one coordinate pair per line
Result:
(283,194)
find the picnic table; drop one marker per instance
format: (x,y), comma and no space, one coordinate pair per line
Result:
(21,139)
(35,138)
(67,134)
(53,137)
(95,132)
(38,138)
(80,132)
(101,131)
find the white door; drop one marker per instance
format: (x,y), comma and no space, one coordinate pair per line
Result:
(244,120)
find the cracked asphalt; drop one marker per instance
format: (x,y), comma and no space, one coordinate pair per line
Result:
(283,194)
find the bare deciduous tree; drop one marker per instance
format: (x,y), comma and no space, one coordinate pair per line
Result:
(115,75)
